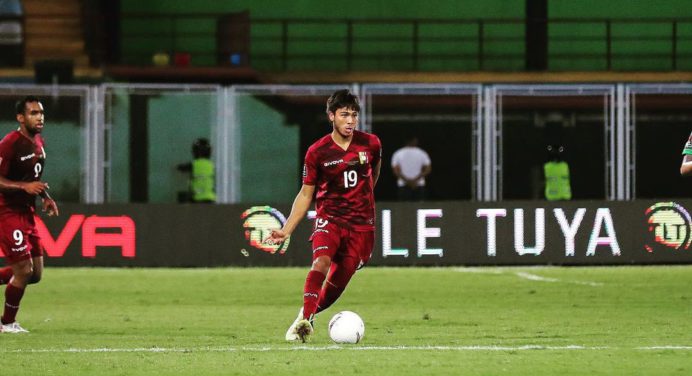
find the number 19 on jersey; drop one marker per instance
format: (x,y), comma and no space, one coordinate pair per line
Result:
(350,178)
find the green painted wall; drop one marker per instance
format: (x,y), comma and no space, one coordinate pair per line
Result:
(119,177)
(638,38)
(636,46)
(63,163)
(269,155)
(175,122)
(334,9)
(391,50)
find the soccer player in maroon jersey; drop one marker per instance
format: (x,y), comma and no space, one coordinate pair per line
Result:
(340,171)
(22,159)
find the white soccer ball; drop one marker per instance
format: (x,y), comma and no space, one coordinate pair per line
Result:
(346,327)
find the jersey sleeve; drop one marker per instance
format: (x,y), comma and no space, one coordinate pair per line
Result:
(426,158)
(310,171)
(688,147)
(6,155)
(376,150)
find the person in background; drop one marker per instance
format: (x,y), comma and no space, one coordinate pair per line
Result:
(411,165)
(556,173)
(201,169)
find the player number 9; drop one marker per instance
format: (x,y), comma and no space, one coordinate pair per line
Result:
(37,170)
(18,237)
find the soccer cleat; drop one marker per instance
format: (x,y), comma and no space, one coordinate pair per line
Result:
(291,334)
(304,330)
(12,328)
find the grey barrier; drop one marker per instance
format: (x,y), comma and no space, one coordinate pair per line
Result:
(408,234)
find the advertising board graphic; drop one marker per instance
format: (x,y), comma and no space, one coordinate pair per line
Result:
(407,234)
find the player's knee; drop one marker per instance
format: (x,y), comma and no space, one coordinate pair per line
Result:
(322,264)
(35,278)
(22,272)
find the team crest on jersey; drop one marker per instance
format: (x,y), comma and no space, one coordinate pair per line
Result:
(363,157)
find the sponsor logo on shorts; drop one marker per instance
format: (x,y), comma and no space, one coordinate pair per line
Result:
(320,248)
(310,295)
(20,249)
(24,158)
(320,230)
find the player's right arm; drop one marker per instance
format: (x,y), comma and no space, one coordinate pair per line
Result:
(301,205)
(32,187)
(686,166)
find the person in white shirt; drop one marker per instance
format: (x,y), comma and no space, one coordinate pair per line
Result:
(411,165)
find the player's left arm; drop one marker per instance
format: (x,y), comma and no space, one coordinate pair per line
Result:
(376,172)
(49,205)
(377,153)
(686,166)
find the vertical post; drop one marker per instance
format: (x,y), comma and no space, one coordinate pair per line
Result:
(174,36)
(229,147)
(536,35)
(284,45)
(621,142)
(674,49)
(94,137)
(349,45)
(608,46)
(139,148)
(480,44)
(415,45)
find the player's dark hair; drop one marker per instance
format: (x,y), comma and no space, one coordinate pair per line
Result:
(341,99)
(21,104)
(201,148)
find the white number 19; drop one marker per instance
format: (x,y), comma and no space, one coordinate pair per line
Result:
(350,178)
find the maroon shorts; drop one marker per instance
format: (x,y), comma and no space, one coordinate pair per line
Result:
(19,238)
(341,244)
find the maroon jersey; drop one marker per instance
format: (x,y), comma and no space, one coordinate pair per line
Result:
(21,159)
(343,179)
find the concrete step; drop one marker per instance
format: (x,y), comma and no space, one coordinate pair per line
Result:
(50,44)
(79,60)
(51,7)
(32,24)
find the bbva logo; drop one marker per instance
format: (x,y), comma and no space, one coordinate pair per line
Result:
(97,231)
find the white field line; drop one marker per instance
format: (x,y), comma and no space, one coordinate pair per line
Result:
(534,277)
(339,348)
(478,270)
(525,275)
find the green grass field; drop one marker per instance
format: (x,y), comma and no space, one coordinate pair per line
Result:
(419,321)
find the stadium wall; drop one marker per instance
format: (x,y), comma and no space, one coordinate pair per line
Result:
(320,10)
(174,121)
(635,45)
(408,234)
